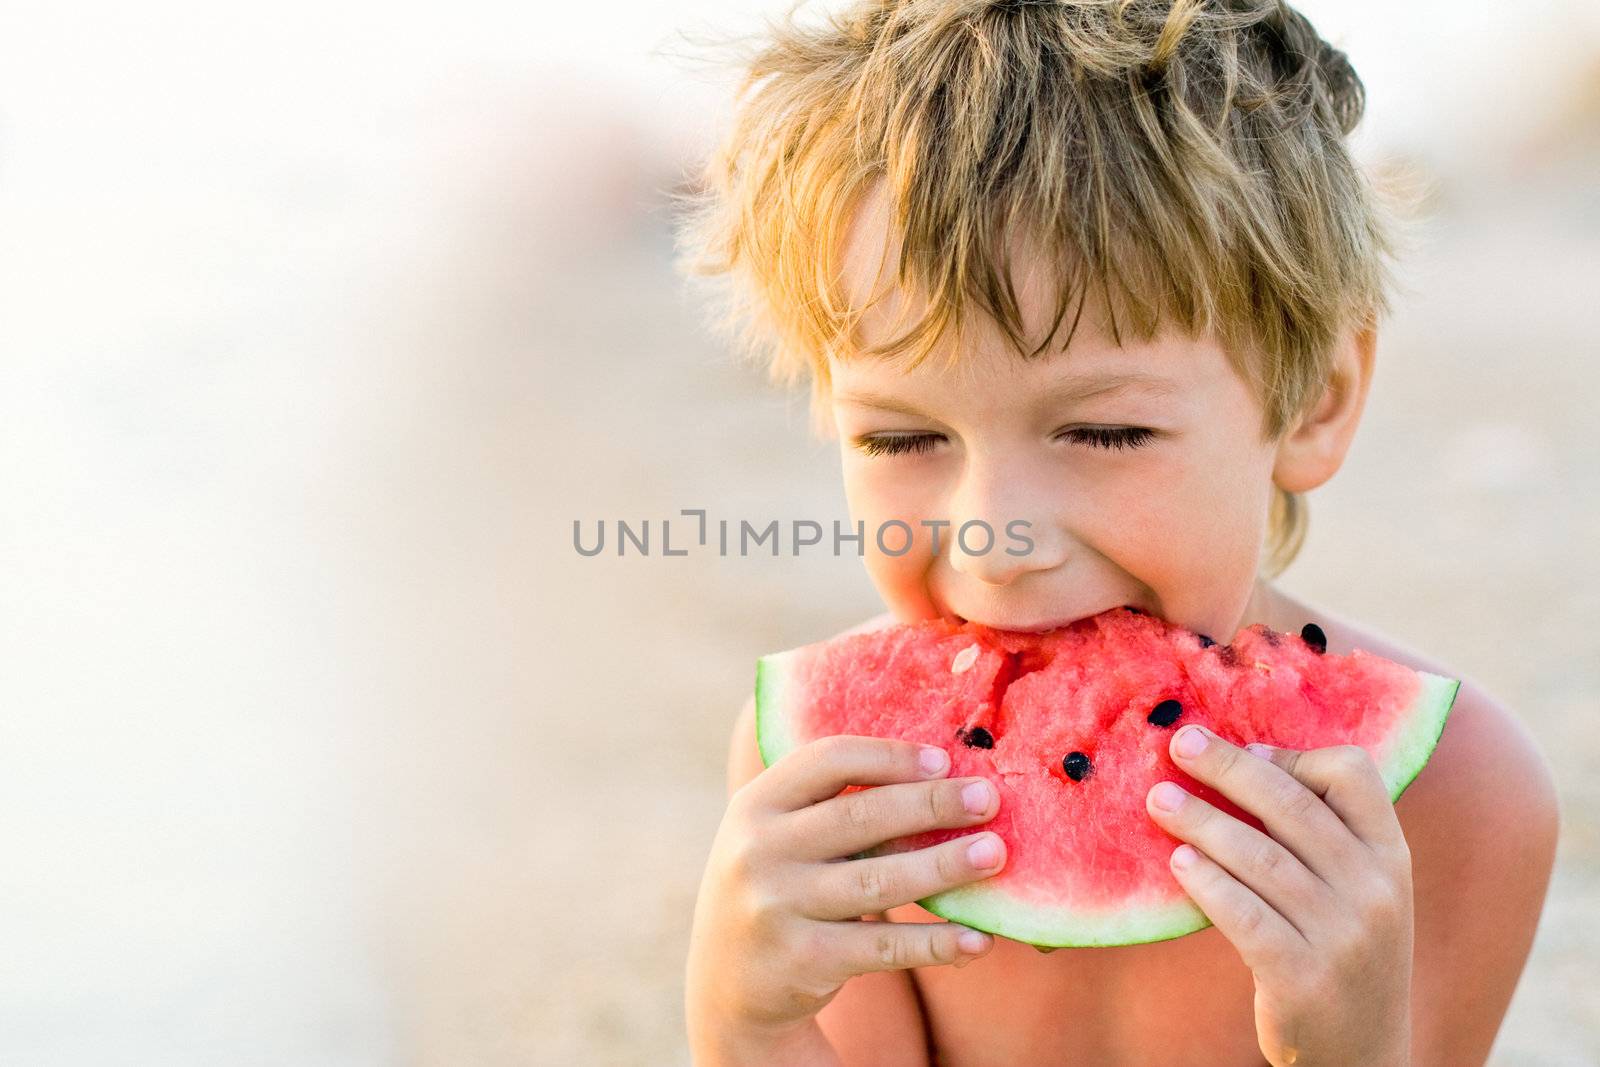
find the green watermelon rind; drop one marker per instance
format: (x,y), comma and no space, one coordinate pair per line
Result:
(772,736)
(980,906)
(1413,745)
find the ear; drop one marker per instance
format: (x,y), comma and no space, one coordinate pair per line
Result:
(1314,448)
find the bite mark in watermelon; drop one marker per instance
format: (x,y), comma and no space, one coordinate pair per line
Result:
(1072,728)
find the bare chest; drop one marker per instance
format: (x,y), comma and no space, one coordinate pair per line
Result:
(1186,1001)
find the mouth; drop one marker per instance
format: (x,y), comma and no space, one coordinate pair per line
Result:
(1042,627)
(1017,626)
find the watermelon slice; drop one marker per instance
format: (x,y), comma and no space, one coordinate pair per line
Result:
(1072,727)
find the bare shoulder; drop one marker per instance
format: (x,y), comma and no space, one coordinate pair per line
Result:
(1487,763)
(744,754)
(1481,824)
(1482,817)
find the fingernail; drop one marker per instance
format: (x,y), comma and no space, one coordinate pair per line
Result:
(1167,796)
(1256,748)
(933,760)
(1183,856)
(972,941)
(1191,741)
(975,798)
(984,852)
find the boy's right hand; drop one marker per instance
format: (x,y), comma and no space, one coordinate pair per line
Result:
(776,928)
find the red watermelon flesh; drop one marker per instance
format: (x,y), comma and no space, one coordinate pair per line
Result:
(1067,727)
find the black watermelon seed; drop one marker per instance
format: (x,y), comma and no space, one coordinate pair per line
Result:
(1136,611)
(1205,642)
(977,737)
(1077,766)
(1165,713)
(1312,635)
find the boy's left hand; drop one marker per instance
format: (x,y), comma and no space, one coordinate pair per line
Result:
(1320,910)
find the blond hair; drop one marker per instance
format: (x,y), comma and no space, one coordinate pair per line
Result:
(1186,158)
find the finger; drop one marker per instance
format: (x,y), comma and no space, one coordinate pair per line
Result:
(1262,864)
(891,946)
(818,769)
(1294,815)
(1261,935)
(861,819)
(852,888)
(1348,780)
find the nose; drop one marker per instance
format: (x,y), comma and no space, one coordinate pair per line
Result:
(1003,525)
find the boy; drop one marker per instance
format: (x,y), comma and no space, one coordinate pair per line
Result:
(1167,184)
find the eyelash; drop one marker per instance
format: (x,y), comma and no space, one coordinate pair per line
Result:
(1108,437)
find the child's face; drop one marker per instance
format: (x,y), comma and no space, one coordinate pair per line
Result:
(1172,522)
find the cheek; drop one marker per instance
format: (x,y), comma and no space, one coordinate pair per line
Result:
(1193,519)
(875,500)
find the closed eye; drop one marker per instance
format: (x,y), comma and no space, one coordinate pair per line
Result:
(1107,437)
(898,444)
(1117,437)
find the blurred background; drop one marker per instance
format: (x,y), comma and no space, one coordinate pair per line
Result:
(319,326)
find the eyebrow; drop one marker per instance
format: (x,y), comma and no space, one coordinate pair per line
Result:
(1065,391)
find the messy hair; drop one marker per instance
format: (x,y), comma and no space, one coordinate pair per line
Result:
(1187,159)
